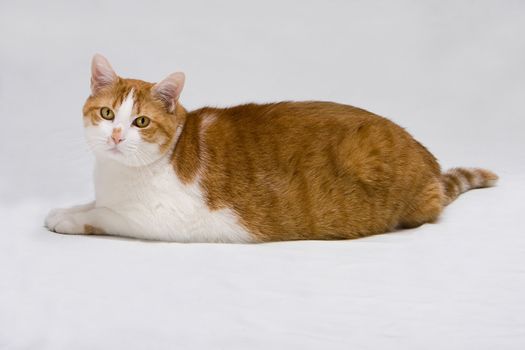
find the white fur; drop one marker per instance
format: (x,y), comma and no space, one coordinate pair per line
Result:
(159,206)
(124,117)
(138,194)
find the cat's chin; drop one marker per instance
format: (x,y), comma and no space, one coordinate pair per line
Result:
(115,151)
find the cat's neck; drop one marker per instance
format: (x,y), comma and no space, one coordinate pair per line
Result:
(115,168)
(188,149)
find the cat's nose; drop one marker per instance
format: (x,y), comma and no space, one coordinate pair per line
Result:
(116,135)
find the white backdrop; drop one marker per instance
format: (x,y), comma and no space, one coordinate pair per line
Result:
(451,72)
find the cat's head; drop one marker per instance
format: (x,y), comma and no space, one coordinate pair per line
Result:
(131,121)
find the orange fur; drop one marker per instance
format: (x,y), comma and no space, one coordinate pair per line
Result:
(91,230)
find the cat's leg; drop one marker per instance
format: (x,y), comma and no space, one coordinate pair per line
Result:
(426,206)
(56,213)
(92,221)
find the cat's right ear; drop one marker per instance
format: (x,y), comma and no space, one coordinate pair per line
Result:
(102,74)
(168,90)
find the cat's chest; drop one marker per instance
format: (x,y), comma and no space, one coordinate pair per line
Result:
(116,185)
(155,190)
(160,204)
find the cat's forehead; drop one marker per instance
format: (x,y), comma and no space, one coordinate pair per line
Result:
(135,95)
(139,91)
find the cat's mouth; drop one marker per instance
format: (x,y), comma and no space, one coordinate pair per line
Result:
(115,150)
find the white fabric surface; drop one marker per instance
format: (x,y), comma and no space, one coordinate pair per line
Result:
(452,73)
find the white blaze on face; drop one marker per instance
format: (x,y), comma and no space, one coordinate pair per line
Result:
(123,117)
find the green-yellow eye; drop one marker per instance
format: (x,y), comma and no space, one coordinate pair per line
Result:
(141,122)
(107,113)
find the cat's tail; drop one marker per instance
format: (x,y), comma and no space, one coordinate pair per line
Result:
(458,180)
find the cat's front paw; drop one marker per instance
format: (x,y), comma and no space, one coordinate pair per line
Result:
(53,216)
(62,221)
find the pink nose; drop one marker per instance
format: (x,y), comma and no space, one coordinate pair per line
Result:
(116,135)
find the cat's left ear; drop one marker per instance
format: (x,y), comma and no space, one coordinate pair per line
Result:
(168,90)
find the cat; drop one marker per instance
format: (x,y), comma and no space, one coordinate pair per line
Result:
(250,173)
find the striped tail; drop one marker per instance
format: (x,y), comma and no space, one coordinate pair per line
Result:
(458,180)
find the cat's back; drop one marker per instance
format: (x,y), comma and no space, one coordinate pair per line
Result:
(283,128)
(286,135)
(287,114)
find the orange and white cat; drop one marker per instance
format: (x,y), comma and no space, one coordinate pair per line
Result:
(250,173)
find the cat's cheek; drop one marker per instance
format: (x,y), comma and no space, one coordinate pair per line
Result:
(97,136)
(133,137)
(144,152)
(89,134)
(152,148)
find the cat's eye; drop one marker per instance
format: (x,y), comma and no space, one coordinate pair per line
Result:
(141,122)
(107,113)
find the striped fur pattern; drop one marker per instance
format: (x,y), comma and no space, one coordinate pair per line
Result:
(251,173)
(459,180)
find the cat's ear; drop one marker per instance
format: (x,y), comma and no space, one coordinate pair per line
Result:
(168,90)
(102,74)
